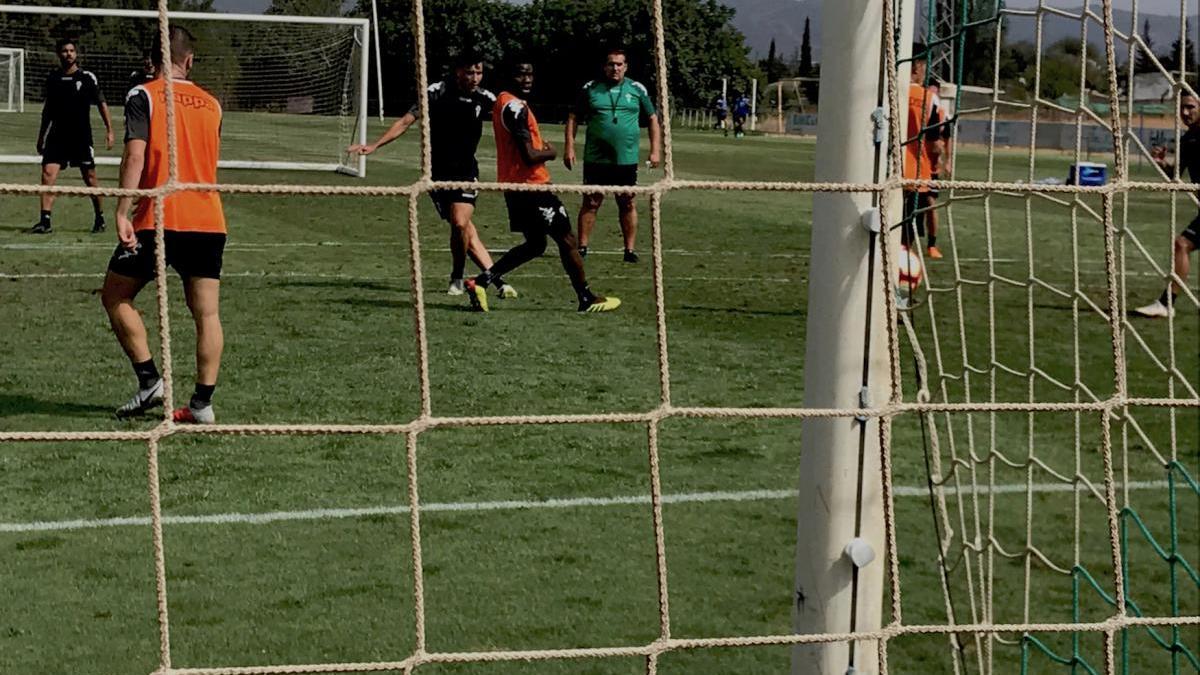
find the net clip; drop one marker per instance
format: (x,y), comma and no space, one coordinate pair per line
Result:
(879,119)
(859,552)
(864,402)
(870,220)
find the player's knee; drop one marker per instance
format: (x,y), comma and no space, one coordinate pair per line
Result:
(592,202)
(1184,245)
(626,203)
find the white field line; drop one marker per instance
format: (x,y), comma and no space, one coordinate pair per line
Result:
(508,505)
(396,278)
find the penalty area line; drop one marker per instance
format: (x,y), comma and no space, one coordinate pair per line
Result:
(269,517)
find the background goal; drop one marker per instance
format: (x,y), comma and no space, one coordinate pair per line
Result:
(308,74)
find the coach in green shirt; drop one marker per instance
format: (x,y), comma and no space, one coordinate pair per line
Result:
(612,109)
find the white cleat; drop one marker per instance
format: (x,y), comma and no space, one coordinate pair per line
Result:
(1155,310)
(456,287)
(507,292)
(143,400)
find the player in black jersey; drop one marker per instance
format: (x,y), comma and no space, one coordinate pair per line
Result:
(458,107)
(1188,156)
(65,136)
(142,75)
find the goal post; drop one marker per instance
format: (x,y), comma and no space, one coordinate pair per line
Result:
(293,88)
(12,79)
(841,547)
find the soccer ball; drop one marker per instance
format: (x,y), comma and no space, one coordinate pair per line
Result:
(909,273)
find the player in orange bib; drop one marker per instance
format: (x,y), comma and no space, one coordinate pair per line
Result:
(193,224)
(924,145)
(521,157)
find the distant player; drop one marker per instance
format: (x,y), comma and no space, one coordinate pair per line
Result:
(1189,239)
(144,74)
(741,112)
(612,109)
(521,157)
(928,200)
(65,136)
(923,149)
(194,224)
(721,113)
(458,107)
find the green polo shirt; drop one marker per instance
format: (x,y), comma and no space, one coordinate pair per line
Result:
(612,113)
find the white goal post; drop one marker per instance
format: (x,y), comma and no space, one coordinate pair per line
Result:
(12,79)
(322,121)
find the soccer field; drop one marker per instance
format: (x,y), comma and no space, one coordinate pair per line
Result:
(297,549)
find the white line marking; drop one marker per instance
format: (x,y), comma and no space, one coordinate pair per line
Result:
(766,279)
(508,505)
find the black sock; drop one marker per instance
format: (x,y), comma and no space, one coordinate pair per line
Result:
(45,216)
(147,373)
(1167,298)
(202,397)
(582,251)
(586,296)
(485,278)
(931,241)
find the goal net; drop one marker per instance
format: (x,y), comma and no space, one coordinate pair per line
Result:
(301,77)
(12,83)
(1053,435)
(1062,469)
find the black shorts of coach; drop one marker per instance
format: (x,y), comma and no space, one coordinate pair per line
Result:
(610,174)
(191,254)
(68,152)
(537,213)
(444,200)
(1192,231)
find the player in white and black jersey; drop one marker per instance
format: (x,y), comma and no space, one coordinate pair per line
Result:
(65,136)
(458,107)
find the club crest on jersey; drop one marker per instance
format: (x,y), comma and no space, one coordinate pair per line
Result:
(478,109)
(78,85)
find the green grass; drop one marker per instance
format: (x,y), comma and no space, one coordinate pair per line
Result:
(318,316)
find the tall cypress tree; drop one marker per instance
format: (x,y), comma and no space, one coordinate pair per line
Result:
(806,64)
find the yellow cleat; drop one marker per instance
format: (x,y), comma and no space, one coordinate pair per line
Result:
(477,295)
(600,304)
(507,292)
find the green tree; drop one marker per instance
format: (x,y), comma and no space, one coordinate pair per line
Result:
(1142,63)
(806,62)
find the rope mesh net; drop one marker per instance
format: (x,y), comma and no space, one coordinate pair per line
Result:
(964,390)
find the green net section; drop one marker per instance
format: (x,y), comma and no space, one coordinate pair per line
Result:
(1018,307)
(1180,486)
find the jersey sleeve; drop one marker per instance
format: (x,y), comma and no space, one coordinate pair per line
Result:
(644,101)
(583,104)
(487,104)
(433,92)
(515,117)
(137,115)
(96,93)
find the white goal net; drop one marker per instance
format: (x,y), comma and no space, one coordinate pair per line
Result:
(292,88)
(12,89)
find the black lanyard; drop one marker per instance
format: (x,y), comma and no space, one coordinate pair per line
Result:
(613,102)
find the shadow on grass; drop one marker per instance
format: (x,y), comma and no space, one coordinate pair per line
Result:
(740,310)
(12,405)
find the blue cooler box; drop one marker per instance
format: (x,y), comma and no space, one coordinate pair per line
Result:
(1087,173)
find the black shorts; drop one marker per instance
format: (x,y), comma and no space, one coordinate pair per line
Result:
(1192,231)
(68,153)
(442,200)
(534,212)
(192,254)
(610,174)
